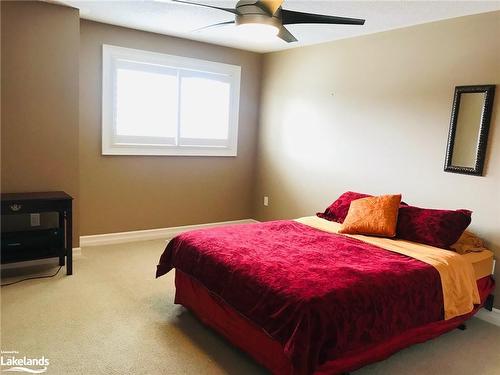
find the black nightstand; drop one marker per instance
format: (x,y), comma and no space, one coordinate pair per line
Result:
(18,246)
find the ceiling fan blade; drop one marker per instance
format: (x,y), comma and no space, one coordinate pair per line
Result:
(214,25)
(230,10)
(270,6)
(290,16)
(286,35)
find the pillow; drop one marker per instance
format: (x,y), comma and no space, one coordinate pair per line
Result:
(337,211)
(439,228)
(468,243)
(374,216)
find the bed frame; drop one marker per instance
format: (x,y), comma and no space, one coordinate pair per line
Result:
(488,304)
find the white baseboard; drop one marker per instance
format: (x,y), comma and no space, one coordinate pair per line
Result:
(38,262)
(149,234)
(492,317)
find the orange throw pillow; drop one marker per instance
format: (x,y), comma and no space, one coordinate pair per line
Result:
(373,216)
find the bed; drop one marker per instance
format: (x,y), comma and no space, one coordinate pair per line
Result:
(302,299)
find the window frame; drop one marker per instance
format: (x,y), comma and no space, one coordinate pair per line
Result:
(113,144)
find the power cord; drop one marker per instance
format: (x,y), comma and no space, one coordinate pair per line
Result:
(32,278)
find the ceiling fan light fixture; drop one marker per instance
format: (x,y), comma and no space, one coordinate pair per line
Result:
(257,27)
(259,31)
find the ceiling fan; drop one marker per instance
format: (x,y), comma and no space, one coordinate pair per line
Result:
(270,17)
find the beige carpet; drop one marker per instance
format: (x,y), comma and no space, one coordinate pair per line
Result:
(113,317)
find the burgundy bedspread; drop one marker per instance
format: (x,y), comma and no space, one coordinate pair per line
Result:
(318,294)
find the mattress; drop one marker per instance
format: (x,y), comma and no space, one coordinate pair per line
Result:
(482,262)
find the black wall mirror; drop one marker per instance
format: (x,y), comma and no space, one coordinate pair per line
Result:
(469,126)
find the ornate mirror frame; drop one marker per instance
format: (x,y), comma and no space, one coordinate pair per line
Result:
(477,169)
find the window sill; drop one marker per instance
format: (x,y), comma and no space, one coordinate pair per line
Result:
(169,151)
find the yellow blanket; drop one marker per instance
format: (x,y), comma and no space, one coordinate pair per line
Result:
(458,280)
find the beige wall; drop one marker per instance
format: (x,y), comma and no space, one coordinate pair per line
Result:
(371,114)
(122,193)
(368,114)
(40,44)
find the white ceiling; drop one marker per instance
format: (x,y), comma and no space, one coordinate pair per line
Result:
(166,17)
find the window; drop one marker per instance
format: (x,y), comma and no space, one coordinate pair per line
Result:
(157,104)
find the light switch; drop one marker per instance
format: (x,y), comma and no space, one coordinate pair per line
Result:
(266,200)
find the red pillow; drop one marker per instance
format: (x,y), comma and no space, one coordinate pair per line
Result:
(439,228)
(337,211)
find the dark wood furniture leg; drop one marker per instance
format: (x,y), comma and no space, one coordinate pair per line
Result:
(62,256)
(69,241)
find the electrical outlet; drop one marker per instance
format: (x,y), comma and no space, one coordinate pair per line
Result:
(266,200)
(35,220)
